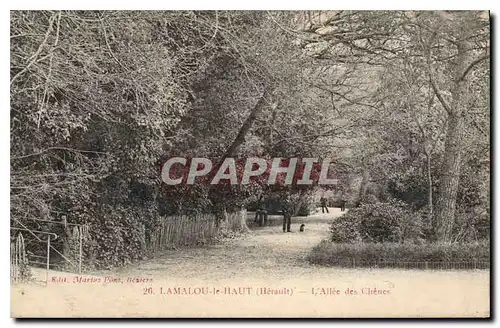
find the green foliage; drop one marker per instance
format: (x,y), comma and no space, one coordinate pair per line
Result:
(472,226)
(409,187)
(75,236)
(99,97)
(377,223)
(121,234)
(306,208)
(345,229)
(274,205)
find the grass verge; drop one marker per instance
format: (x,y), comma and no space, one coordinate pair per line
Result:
(403,255)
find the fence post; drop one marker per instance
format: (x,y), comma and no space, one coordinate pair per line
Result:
(48,260)
(426,265)
(80,232)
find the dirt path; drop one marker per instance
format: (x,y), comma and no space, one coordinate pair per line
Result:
(261,252)
(262,274)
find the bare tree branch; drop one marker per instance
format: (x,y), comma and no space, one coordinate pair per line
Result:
(471,66)
(58,148)
(33,58)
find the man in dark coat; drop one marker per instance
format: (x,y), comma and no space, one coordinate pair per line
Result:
(323,205)
(288,208)
(261,213)
(342,204)
(287,220)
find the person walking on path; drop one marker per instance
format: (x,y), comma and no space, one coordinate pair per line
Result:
(342,204)
(261,213)
(287,220)
(323,205)
(288,209)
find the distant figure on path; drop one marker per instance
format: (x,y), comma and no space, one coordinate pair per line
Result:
(342,204)
(262,216)
(302,226)
(261,213)
(323,205)
(287,220)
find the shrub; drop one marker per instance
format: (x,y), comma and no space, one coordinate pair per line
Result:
(308,207)
(377,222)
(345,230)
(119,234)
(472,226)
(403,254)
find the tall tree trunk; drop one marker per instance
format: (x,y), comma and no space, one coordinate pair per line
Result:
(450,174)
(450,178)
(300,201)
(364,184)
(221,218)
(256,110)
(243,220)
(221,210)
(429,183)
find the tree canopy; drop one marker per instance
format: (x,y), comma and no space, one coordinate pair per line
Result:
(99,99)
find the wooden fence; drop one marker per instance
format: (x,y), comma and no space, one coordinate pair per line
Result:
(176,231)
(190,230)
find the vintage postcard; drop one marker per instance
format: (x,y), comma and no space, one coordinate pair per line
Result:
(250,164)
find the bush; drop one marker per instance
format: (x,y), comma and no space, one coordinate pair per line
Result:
(472,226)
(345,230)
(120,234)
(307,208)
(371,254)
(377,222)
